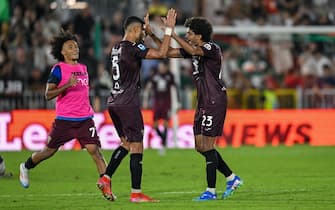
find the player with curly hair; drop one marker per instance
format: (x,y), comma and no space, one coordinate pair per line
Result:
(68,82)
(211,108)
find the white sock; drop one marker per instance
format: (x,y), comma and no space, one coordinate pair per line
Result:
(231,177)
(135,190)
(212,190)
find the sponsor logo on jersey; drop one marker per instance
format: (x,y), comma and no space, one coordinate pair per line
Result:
(207,46)
(141,46)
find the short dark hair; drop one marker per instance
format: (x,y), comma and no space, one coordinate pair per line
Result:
(58,41)
(130,20)
(200,25)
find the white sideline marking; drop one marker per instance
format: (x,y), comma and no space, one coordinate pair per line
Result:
(77,194)
(48,195)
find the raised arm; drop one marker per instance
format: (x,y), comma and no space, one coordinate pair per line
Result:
(172,52)
(190,49)
(149,32)
(161,52)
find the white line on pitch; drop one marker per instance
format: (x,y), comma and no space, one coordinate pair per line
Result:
(77,194)
(48,195)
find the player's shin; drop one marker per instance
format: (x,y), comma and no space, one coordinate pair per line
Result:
(136,170)
(211,166)
(223,166)
(115,160)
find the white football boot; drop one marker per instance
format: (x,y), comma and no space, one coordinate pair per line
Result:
(24,176)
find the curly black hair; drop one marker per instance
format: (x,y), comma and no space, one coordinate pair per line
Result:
(58,41)
(200,25)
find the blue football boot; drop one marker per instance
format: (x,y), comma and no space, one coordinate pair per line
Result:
(232,186)
(206,196)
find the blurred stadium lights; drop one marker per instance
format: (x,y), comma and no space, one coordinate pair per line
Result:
(68,4)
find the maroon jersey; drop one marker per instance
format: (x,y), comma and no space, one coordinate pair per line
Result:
(161,85)
(126,58)
(206,75)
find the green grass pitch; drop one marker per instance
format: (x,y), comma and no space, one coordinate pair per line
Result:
(299,177)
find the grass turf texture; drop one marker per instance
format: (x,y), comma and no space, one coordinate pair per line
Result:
(299,177)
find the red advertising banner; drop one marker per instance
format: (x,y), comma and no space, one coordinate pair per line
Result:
(28,129)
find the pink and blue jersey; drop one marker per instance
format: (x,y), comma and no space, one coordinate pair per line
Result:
(73,104)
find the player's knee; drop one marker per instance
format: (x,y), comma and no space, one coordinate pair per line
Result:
(93,150)
(136,147)
(199,148)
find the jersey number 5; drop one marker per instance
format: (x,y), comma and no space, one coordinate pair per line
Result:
(116,72)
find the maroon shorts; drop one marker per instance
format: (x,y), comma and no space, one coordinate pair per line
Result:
(63,131)
(161,110)
(128,122)
(209,120)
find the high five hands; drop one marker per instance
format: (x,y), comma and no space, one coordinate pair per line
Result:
(169,21)
(171,18)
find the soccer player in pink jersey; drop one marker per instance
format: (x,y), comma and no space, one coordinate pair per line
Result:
(68,82)
(124,102)
(211,108)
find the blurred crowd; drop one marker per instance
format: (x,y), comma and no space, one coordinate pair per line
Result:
(260,61)
(270,12)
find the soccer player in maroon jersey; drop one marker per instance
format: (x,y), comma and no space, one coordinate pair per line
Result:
(211,99)
(124,102)
(160,84)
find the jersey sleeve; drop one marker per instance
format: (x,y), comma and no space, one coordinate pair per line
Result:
(209,50)
(55,75)
(184,53)
(141,50)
